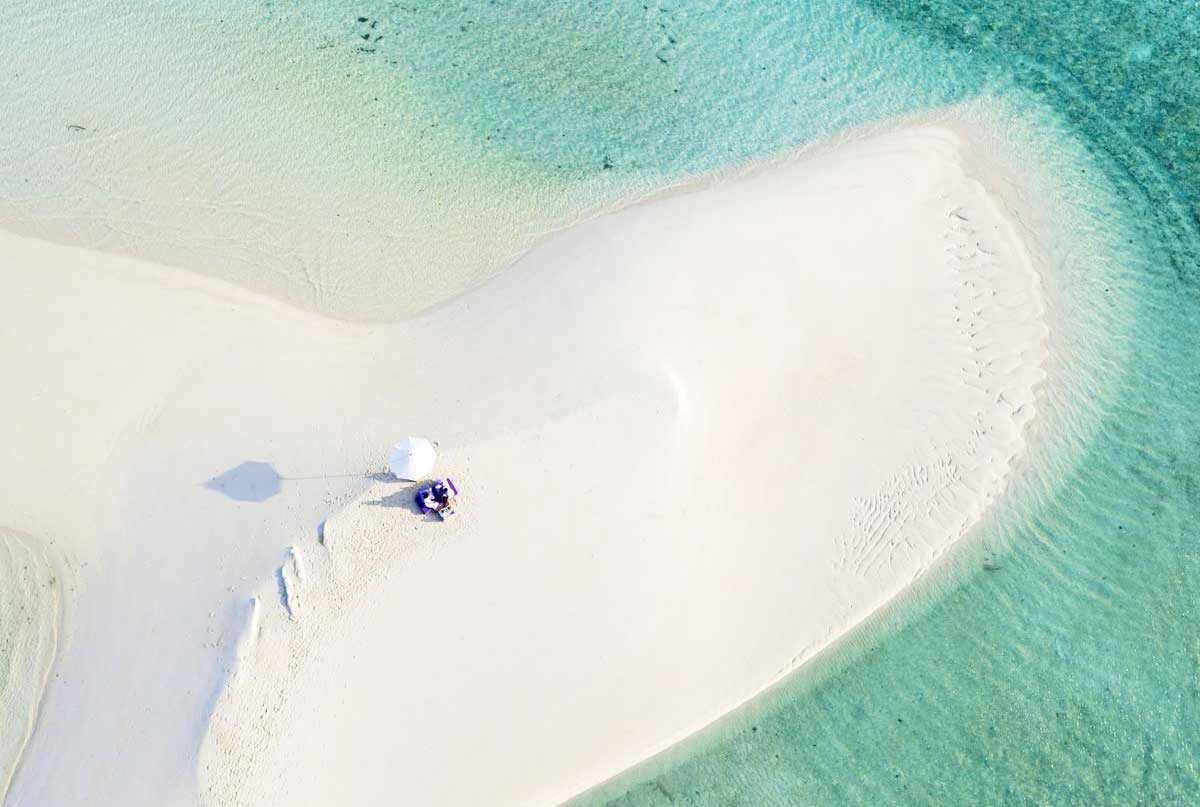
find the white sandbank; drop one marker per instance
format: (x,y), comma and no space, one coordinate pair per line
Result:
(698,440)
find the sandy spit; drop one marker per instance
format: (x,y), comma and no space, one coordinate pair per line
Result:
(698,440)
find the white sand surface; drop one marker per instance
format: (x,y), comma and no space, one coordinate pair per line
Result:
(697,439)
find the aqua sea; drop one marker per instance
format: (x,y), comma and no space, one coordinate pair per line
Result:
(1058,663)
(1056,659)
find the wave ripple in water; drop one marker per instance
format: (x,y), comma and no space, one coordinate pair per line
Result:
(1063,666)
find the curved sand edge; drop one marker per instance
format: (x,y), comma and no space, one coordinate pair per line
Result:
(520,657)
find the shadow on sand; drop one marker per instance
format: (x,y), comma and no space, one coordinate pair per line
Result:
(255,481)
(248,482)
(405,499)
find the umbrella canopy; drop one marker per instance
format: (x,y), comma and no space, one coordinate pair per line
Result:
(412,458)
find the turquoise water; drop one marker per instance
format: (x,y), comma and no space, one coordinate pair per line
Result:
(370,159)
(645,89)
(1057,662)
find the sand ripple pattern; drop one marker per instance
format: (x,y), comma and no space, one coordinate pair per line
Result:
(29,609)
(945,496)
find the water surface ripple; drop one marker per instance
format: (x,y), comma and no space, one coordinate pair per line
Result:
(1063,666)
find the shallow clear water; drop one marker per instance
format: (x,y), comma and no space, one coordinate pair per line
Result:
(369,159)
(1058,661)
(646,89)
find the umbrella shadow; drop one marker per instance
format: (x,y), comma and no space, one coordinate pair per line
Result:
(249,482)
(255,481)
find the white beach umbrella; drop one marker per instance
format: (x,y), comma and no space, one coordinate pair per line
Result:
(412,458)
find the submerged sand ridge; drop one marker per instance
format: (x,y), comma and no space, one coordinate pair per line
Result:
(698,440)
(29,615)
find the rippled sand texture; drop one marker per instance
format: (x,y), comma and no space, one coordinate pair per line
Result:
(29,610)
